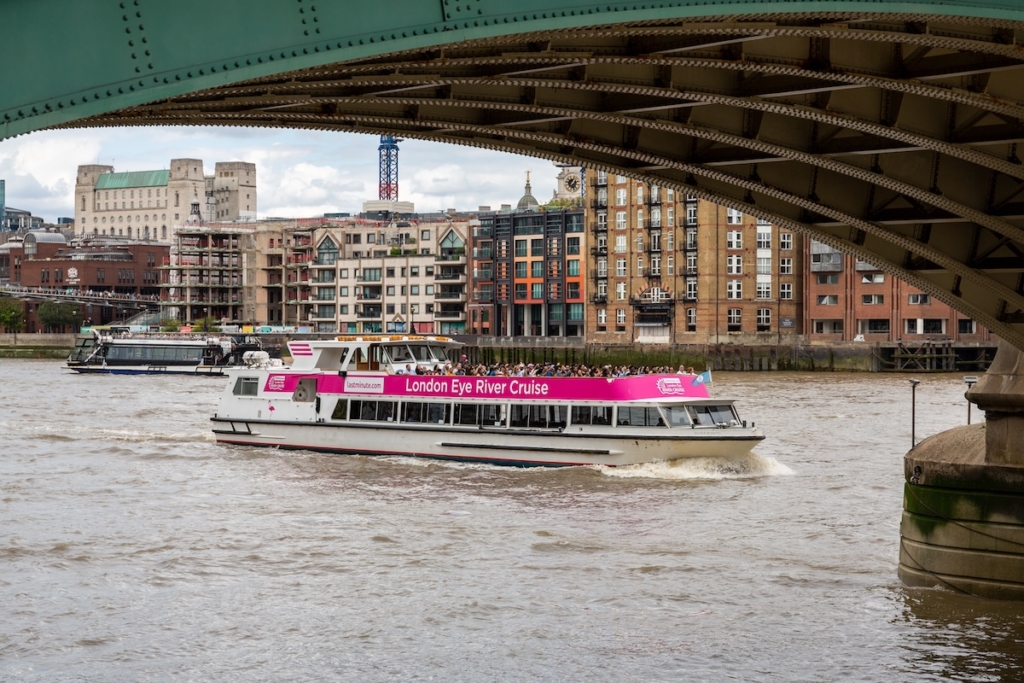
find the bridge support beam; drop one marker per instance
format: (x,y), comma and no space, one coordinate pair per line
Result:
(963,505)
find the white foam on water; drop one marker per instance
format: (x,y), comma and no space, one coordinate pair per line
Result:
(745,467)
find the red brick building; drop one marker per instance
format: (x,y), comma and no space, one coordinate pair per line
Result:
(849,300)
(86,272)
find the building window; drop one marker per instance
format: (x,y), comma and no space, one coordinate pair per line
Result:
(734,289)
(691,288)
(620,291)
(965,326)
(919,299)
(620,244)
(764,266)
(691,239)
(620,196)
(764,239)
(620,220)
(734,265)
(872,278)
(602,316)
(640,218)
(829,279)
(735,320)
(764,320)
(691,214)
(620,267)
(620,316)
(874,326)
(786,241)
(910,326)
(828,327)
(691,319)
(734,239)
(786,290)
(764,290)
(872,299)
(828,299)
(733,217)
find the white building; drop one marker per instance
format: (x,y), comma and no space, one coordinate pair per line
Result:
(153,204)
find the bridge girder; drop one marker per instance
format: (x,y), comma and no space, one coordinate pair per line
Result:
(892,137)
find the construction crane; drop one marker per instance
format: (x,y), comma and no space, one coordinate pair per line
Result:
(388,170)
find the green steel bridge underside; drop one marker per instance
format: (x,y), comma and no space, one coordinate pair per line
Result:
(888,130)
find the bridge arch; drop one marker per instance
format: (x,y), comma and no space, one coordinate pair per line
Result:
(886,130)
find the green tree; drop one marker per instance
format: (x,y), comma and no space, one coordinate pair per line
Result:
(59,316)
(171,325)
(12,316)
(206,324)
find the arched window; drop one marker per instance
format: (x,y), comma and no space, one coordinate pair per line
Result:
(163,232)
(327,252)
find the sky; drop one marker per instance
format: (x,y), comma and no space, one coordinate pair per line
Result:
(299,173)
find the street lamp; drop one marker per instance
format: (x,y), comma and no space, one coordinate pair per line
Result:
(913,412)
(970,381)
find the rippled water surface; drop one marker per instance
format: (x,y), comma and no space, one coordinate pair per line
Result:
(134,548)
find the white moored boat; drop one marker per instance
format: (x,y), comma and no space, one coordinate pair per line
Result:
(365,395)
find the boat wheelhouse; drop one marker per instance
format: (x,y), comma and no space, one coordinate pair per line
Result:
(371,395)
(120,352)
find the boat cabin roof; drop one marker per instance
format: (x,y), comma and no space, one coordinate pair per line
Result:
(393,354)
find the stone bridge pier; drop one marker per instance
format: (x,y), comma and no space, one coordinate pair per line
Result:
(963,505)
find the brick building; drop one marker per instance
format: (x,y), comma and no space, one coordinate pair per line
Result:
(667,268)
(848,299)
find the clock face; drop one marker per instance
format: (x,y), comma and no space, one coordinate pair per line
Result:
(572,183)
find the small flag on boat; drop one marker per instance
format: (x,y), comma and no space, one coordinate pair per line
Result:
(702,378)
(271,407)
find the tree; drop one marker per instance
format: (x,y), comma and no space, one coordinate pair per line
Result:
(58,316)
(206,324)
(171,325)
(12,316)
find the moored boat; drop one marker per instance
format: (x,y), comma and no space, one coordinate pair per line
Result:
(120,352)
(381,395)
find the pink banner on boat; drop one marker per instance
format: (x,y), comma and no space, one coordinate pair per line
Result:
(583,389)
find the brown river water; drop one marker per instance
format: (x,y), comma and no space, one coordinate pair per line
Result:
(134,548)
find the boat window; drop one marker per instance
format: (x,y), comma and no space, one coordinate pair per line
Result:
(440,353)
(586,415)
(640,416)
(340,409)
(482,415)
(400,354)
(246,386)
(677,416)
(436,413)
(466,414)
(712,415)
(537,416)
(381,411)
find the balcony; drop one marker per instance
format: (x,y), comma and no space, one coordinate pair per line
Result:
(371,296)
(372,314)
(483,297)
(599,299)
(457,255)
(599,251)
(450,295)
(601,181)
(450,276)
(450,315)
(599,274)
(599,204)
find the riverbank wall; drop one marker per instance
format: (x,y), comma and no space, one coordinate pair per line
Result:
(828,357)
(36,345)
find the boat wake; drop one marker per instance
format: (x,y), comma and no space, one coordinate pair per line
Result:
(745,467)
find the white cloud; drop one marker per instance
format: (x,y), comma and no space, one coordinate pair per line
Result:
(299,173)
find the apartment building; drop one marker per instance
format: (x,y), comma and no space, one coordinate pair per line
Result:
(528,274)
(204,276)
(848,299)
(359,275)
(669,268)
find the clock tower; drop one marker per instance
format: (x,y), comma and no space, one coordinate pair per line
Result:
(570,184)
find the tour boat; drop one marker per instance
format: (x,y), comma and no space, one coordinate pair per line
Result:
(365,395)
(117,351)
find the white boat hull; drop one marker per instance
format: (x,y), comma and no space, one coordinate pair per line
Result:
(615,446)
